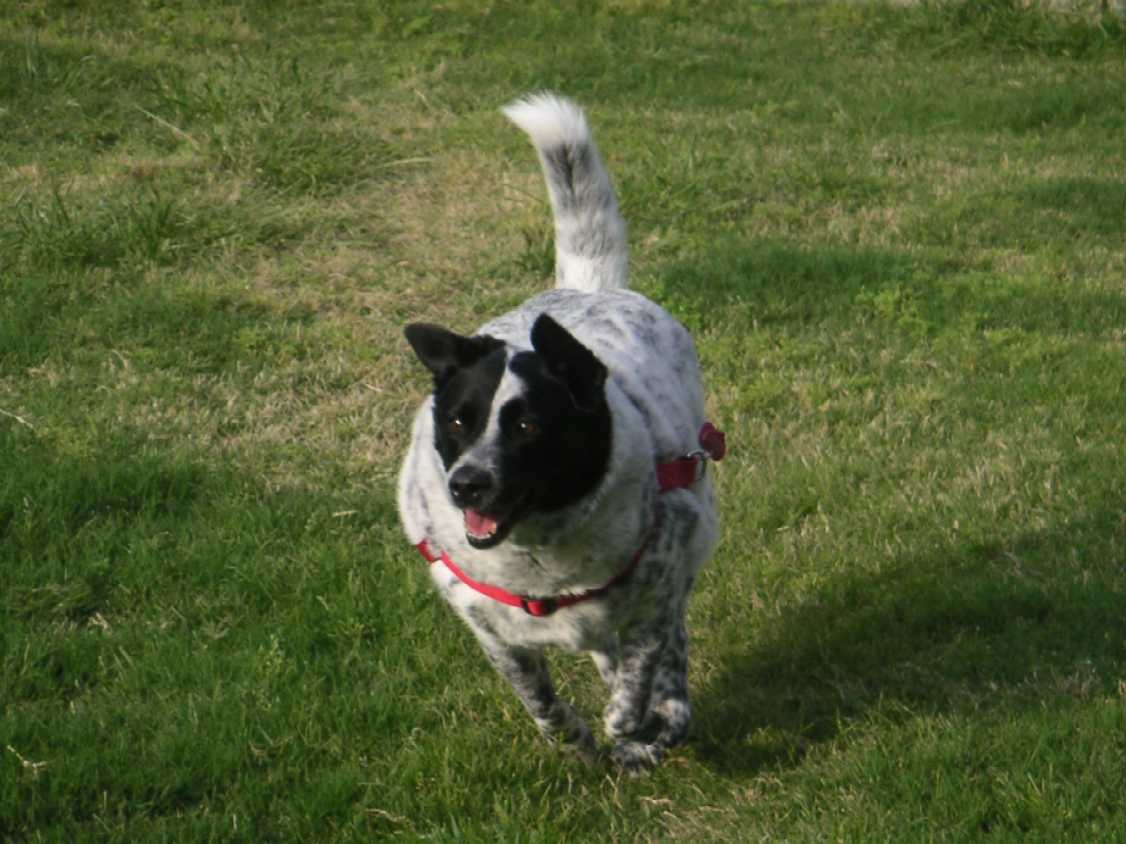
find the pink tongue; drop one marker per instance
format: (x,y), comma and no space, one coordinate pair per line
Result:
(479,524)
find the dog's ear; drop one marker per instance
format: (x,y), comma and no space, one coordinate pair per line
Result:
(569,361)
(443,352)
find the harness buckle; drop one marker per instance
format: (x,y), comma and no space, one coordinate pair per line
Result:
(701,457)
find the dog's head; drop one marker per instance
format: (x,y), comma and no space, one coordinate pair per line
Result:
(519,432)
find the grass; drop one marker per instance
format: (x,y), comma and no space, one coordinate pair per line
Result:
(896,234)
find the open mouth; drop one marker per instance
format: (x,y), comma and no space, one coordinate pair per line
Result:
(485,530)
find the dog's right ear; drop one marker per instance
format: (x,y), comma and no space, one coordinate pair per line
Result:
(443,352)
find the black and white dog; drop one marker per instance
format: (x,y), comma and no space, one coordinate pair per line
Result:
(555,477)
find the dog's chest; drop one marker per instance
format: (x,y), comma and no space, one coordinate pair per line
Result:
(577,628)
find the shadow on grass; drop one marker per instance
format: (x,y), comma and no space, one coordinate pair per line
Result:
(789,287)
(147,587)
(745,285)
(1094,205)
(45,80)
(997,626)
(1056,210)
(81,316)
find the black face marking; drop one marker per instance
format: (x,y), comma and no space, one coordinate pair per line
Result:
(565,455)
(554,434)
(462,403)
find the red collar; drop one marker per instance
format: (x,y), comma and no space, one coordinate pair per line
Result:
(673,474)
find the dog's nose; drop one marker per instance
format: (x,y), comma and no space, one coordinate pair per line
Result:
(470,486)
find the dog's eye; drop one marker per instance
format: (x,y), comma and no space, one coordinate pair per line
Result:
(529,429)
(455,425)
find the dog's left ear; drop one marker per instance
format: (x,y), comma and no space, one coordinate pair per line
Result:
(569,361)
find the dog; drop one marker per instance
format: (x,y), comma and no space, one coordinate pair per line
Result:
(555,477)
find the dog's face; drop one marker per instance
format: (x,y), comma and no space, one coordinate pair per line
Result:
(519,432)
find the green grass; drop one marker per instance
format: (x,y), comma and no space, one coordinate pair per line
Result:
(897,234)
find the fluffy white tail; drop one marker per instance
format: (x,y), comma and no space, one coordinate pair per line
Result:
(590,234)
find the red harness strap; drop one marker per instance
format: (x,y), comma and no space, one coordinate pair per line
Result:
(673,474)
(537,607)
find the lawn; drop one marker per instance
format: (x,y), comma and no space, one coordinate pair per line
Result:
(899,236)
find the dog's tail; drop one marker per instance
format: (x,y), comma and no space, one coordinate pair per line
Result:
(590,234)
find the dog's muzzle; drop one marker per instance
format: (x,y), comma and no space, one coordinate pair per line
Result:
(471,487)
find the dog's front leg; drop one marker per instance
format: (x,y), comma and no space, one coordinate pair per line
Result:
(526,670)
(626,715)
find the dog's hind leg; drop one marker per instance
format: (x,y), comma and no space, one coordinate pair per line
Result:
(526,670)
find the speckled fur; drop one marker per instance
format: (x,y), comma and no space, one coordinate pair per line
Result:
(635,633)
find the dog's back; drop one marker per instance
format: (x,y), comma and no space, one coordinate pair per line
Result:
(590,234)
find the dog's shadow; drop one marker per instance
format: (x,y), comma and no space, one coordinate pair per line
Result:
(1031,622)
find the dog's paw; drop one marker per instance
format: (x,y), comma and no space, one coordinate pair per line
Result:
(567,730)
(636,757)
(580,744)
